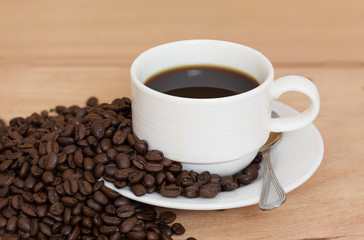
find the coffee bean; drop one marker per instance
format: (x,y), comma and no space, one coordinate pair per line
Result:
(128,224)
(148,180)
(191,191)
(3,222)
(56,208)
(69,201)
(210,190)
(138,189)
(11,226)
(167,217)
(139,162)
(122,160)
(92,102)
(165,230)
(119,137)
(178,229)
(28,209)
(251,171)
(5,165)
(228,184)
(153,167)
(154,155)
(141,146)
(99,170)
(204,177)
(3,203)
(85,188)
(98,129)
(171,191)
(125,211)
(100,197)
(111,194)
(45,229)
(75,233)
(40,198)
(244,179)
(110,220)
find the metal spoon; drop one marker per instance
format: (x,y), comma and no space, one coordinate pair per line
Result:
(272,195)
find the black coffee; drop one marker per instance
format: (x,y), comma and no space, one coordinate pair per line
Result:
(201,82)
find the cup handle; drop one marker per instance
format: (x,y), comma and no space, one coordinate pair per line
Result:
(298,84)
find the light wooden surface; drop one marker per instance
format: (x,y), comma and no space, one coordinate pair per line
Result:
(62,52)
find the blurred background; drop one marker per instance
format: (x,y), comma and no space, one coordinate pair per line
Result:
(82,43)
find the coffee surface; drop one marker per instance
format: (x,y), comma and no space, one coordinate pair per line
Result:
(201,81)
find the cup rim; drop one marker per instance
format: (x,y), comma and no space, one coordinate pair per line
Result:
(167,97)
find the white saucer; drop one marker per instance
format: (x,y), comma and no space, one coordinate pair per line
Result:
(294,160)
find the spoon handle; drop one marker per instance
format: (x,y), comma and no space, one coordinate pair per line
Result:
(273,195)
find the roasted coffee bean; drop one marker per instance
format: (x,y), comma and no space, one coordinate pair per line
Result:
(210,190)
(3,222)
(122,160)
(101,158)
(69,201)
(24,224)
(110,169)
(175,167)
(204,177)
(125,211)
(98,129)
(48,177)
(167,217)
(110,220)
(85,188)
(11,226)
(41,211)
(100,197)
(45,229)
(165,229)
(111,194)
(92,102)
(128,224)
(5,165)
(119,137)
(99,170)
(40,198)
(191,191)
(243,179)
(251,171)
(3,203)
(107,230)
(56,208)
(148,180)
(170,177)
(171,191)
(138,189)
(228,183)
(141,146)
(153,167)
(28,209)
(160,178)
(135,176)
(139,162)
(154,155)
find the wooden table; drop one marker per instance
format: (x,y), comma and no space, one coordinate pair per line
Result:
(62,52)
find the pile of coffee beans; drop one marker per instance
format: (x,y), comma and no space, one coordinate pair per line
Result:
(51,163)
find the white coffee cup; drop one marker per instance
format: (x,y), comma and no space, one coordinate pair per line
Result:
(220,135)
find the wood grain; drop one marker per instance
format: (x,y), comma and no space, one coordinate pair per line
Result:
(61,52)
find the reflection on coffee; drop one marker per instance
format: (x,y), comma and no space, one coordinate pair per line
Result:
(201,81)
